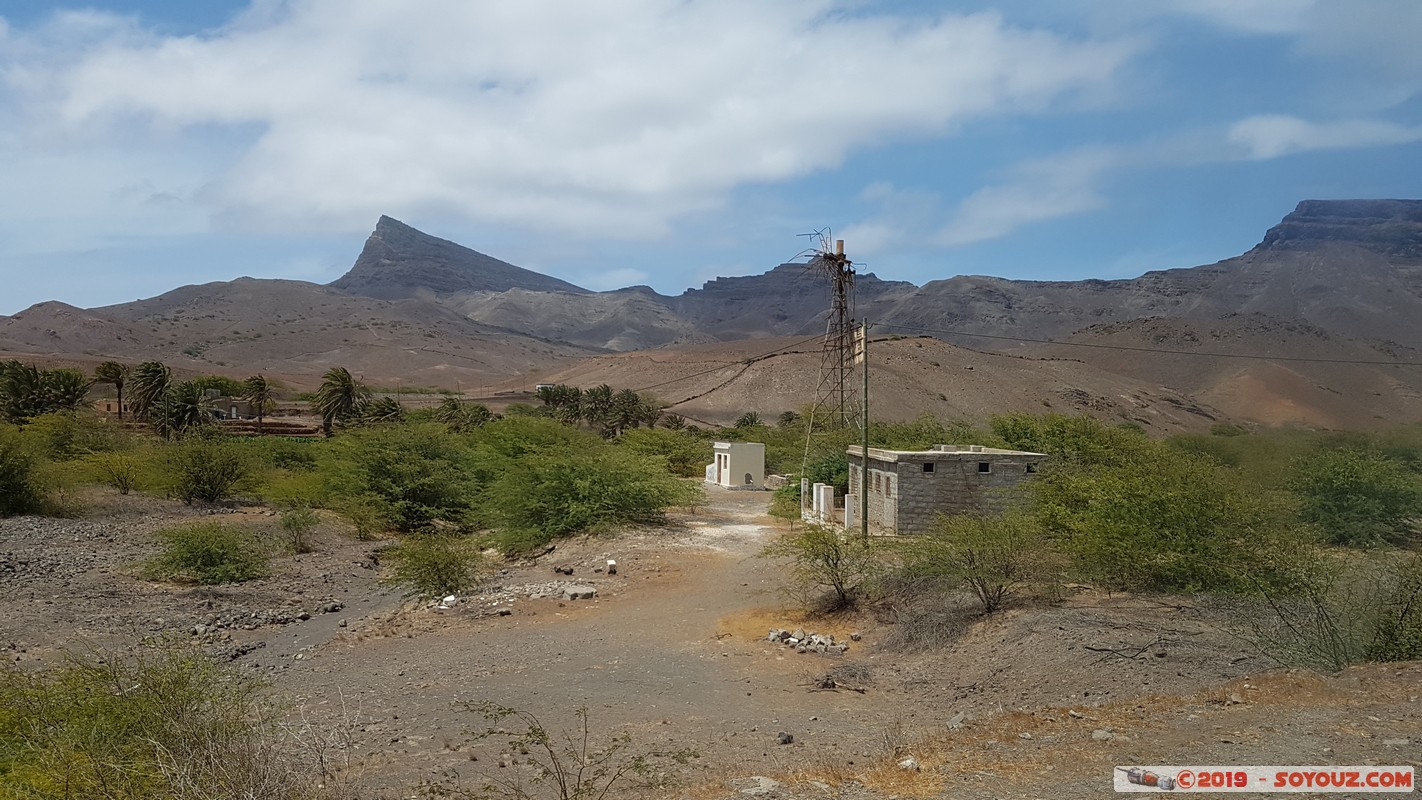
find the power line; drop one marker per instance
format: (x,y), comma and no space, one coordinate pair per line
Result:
(745,361)
(1165,351)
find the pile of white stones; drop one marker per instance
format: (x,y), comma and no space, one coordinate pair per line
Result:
(806,642)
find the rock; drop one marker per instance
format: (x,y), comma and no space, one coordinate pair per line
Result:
(579,593)
(956,721)
(1025,736)
(1234,700)
(910,764)
(784,738)
(856,636)
(1076,714)
(449,601)
(504,612)
(611,567)
(799,634)
(756,786)
(1397,742)
(1102,735)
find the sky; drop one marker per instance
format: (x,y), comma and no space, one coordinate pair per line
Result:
(148,144)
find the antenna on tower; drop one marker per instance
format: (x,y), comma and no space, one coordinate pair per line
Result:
(835,398)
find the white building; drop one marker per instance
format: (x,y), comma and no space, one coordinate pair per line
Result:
(737,465)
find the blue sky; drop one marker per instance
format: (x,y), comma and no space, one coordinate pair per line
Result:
(147,145)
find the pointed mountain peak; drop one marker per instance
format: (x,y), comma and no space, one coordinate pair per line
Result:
(400,261)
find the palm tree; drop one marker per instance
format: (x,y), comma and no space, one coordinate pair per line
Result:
(597,408)
(750,419)
(340,396)
(184,406)
(384,409)
(115,374)
(258,393)
(27,391)
(460,416)
(148,383)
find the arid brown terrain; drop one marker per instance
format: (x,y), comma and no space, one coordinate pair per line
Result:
(1040,702)
(1314,326)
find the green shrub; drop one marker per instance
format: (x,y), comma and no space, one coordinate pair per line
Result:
(686,454)
(121,470)
(19,491)
(298,522)
(830,569)
(995,555)
(204,466)
(558,492)
(155,726)
(1163,521)
(207,553)
(432,565)
(412,475)
(1359,498)
(1345,609)
(71,434)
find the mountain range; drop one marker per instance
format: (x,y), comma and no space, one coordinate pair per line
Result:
(1315,325)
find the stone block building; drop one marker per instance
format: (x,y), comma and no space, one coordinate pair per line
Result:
(908,489)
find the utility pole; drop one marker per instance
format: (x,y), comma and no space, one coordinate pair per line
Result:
(864,425)
(834,395)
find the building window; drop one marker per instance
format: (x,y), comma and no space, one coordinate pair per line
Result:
(984,467)
(928,466)
(1031,468)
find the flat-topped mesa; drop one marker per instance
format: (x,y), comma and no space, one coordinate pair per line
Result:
(399,261)
(1392,228)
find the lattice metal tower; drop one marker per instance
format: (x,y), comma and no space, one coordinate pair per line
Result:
(836,401)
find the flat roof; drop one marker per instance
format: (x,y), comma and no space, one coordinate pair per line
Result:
(942,452)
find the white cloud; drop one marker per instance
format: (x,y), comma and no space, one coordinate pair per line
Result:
(610,118)
(1039,191)
(1251,16)
(1070,182)
(618,278)
(1272,136)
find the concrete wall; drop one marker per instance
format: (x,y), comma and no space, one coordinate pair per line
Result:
(906,499)
(738,461)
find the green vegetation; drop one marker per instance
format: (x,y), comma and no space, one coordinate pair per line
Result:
(1358,497)
(1344,610)
(298,522)
(1271,517)
(997,556)
(19,490)
(1320,526)
(831,569)
(260,396)
(205,467)
(559,491)
(339,398)
(164,724)
(435,565)
(28,391)
(412,476)
(116,375)
(207,553)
